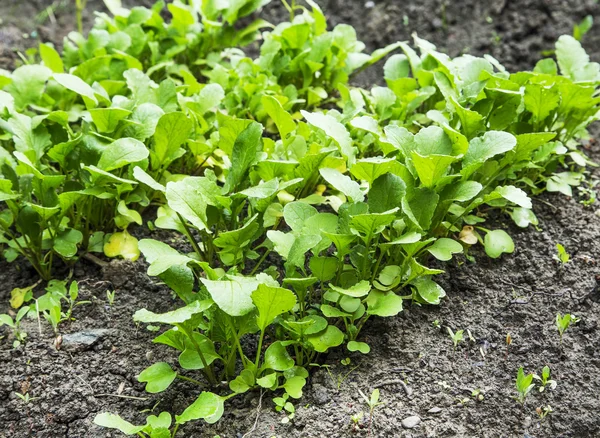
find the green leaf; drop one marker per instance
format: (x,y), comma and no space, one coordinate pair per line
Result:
(51,58)
(173,129)
(277,358)
(432,141)
(359,290)
(173,317)
(107,119)
(122,152)
(429,291)
(359,346)
(267,381)
(431,168)
(514,195)
(161,256)
(324,268)
(190,197)
(443,248)
(383,303)
(573,61)
(541,100)
(497,242)
(293,386)
(343,184)
(190,359)
(243,382)
(271,302)
(208,406)
(283,120)
(421,206)
(233,296)
(66,242)
(145,118)
(158,377)
(28,85)
(144,178)
(523,217)
(113,421)
(244,154)
(329,338)
(368,225)
(461,192)
(485,147)
(335,130)
(369,169)
(386,193)
(297,213)
(77,85)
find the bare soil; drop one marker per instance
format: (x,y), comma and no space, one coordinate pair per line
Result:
(412,361)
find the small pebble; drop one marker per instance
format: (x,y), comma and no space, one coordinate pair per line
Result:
(369,5)
(411,422)
(434,410)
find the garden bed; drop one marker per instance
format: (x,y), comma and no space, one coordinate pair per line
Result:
(412,361)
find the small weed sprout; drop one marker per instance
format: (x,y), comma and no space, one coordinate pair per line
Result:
(524,385)
(110,297)
(545,380)
(25,397)
(372,402)
(477,394)
(563,322)
(282,404)
(356,418)
(455,337)
(15,324)
(562,256)
(543,412)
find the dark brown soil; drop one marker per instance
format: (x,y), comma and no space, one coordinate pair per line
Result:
(412,362)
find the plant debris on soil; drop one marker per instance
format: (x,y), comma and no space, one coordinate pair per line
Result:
(428,388)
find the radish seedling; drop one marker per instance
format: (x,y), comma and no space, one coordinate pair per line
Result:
(563,322)
(562,255)
(524,385)
(545,380)
(372,402)
(456,338)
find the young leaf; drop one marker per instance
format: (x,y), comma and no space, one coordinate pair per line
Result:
(331,337)
(383,304)
(343,183)
(277,358)
(208,406)
(172,130)
(113,421)
(158,377)
(122,152)
(284,121)
(271,302)
(335,130)
(234,295)
(497,242)
(443,248)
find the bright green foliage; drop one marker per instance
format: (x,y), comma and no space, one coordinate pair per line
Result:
(524,385)
(562,255)
(545,380)
(310,206)
(563,322)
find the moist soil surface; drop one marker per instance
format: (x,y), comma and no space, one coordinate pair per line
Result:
(412,359)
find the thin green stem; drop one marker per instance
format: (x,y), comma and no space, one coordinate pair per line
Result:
(259,350)
(260,262)
(197,382)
